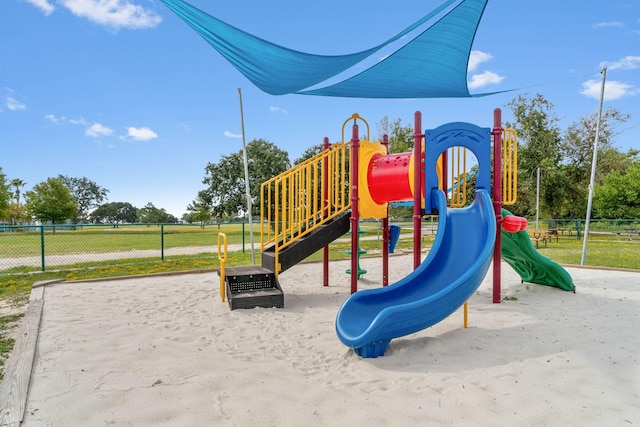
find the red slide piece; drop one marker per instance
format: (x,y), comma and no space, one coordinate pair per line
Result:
(513,224)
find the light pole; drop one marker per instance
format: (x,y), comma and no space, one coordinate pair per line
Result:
(593,169)
(246,179)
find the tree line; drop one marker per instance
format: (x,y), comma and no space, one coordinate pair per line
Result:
(563,157)
(67,199)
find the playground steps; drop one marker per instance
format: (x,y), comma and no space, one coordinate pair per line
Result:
(307,245)
(251,286)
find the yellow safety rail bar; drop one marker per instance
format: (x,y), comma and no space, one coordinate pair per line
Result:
(223,260)
(457,158)
(509,167)
(458,174)
(292,203)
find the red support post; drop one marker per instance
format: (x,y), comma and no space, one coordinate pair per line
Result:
(325,210)
(417,188)
(353,181)
(497,199)
(385,232)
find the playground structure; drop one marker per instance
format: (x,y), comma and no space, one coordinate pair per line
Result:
(306,208)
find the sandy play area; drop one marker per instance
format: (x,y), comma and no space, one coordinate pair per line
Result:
(166,351)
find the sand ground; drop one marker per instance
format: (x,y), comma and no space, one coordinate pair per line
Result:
(166,351)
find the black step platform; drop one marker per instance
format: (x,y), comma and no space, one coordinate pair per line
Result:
(251,286)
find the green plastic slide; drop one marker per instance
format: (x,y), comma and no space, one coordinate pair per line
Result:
(532,266)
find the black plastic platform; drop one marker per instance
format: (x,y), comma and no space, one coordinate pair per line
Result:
(251,286)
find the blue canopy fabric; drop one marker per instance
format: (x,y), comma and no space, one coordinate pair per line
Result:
(433,64)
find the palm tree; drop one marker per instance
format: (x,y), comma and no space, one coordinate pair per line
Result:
(17,183)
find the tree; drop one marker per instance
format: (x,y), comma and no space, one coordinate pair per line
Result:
(87,195)
(225,181)
(538,147)
(401,138)
(16,213)
(619,194)
(199,211)
(51,201)
(114,213)
(150,214)
(308,153)
(17,183)
(5,195)
(577,147)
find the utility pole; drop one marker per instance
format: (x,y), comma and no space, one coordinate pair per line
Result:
(593,169)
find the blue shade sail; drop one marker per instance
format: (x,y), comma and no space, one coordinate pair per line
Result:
(433,64)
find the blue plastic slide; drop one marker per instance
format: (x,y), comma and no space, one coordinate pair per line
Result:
(451,273)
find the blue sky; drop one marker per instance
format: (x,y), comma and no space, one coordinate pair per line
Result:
(124,93)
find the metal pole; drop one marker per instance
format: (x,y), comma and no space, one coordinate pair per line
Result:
(325,210)
(385,230)
(537,196)
(246,179)
(42,246)
(593,170)
(497,202)
(355,215)
(417,188)
(162,242)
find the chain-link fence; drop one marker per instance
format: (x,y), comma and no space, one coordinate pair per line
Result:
(44,247)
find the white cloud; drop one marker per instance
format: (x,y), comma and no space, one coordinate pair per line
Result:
(231,135)
(97,130)
(46,7)
(484,79)
(141,134)
(13,104)
(612,89)
(607,25)
(274,109)
(477,57)
(53,119)
(81,121)
(185,127)
(629,62)
(113,13)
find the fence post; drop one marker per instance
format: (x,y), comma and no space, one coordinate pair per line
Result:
(578,227)
(162,242)
(243,236)
(42,246)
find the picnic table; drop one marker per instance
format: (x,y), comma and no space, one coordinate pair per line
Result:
(538,236)
(630,232)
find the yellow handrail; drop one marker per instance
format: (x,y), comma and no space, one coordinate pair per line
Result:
(223,261)
(509,167)
(305,197)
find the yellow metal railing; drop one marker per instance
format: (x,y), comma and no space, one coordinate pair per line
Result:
(509,167)
(457,157)
(459,175)
(222,243)
(298,201)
